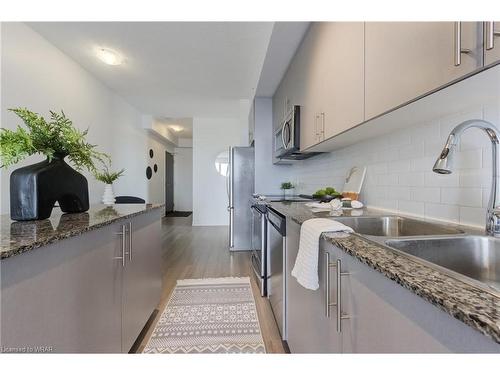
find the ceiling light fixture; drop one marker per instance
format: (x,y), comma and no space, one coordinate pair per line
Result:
(176,128)
(109,57)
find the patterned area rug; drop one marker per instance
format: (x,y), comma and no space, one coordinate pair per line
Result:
(209,316)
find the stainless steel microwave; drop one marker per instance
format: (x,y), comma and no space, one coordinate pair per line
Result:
(287,136)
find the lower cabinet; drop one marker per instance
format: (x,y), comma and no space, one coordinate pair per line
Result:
(377,314)
(141,277)
(77,295)
(309,329)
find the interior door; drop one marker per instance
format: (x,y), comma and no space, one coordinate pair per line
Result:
(404,60)
(169,182)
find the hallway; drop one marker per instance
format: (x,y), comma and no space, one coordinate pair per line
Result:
(201,252)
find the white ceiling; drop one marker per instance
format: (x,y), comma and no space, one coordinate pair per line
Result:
(185,123)
(171,69)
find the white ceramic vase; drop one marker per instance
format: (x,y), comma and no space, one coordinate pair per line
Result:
(108,197)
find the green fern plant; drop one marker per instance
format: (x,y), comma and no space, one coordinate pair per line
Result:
(55,138)
(107,176)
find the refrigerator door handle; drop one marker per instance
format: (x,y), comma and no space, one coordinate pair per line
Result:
(231,227)
(230,197)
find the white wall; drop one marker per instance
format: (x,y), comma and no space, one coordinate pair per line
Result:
(183,179)
(268,177)
(210,137)
(399,174)
(40,77)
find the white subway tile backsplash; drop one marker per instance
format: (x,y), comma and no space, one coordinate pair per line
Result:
(399,193)
(425,194)
(411,179)
(472,216)
(432,179)
(415,150)
(475,177)
(378,168)
(471,197)
(422,164)
(449,122)
(399,166)
(399,169)
(470,159)
(432,148)
(424,132)
(442,212)
(412,208)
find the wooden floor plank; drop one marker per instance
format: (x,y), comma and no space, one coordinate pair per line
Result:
(201,252)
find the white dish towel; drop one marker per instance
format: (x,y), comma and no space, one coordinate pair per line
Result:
(305,269)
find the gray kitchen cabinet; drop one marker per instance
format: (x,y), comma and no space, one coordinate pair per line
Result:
(384,317)
(77,296)
(340,98)
(309,330)
(330,73)
(141,276)
(404,60)
(491,42)
(326,78)
(65,297)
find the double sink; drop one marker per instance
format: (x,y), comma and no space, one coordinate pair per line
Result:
(473,259)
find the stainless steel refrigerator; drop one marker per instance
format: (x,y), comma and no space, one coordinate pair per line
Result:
(240,187)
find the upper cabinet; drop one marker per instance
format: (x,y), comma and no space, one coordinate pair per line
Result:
(326,79)
(491,42)
(404,60)
(346,73)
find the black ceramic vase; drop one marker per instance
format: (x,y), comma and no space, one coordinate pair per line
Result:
(35,189)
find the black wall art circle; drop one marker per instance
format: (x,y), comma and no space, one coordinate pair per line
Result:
(149,173)
(151,153)
(155,168)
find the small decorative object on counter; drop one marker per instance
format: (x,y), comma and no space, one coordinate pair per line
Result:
(326,194)
(108,178)
(287,188)
(35,189)
(354,182)
(350,203)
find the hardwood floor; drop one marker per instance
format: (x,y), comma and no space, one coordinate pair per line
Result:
(200,252)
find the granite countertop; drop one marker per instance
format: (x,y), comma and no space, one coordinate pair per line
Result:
(17,237)
(299,212)
(473,306)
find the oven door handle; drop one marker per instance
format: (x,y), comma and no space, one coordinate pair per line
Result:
(283,135)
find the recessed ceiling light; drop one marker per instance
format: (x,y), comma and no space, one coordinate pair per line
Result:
(109,57)
(176,128)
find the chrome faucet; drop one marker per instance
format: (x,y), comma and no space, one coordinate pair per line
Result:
(444,165)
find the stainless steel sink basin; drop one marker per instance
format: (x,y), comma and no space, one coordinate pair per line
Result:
(395,226)
(477,257)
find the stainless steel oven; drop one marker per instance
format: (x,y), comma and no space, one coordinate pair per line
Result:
(259,249)
(276,267)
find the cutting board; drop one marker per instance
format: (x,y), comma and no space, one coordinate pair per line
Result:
(354,182)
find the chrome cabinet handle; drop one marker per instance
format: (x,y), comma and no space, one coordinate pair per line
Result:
(340,316)
(328,265)
(123,233)
(316,128)
(490,35)
(283,134)
(322,126)
(458,45)
(130,241)
(287,127)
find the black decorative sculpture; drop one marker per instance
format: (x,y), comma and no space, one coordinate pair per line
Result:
(35,189)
